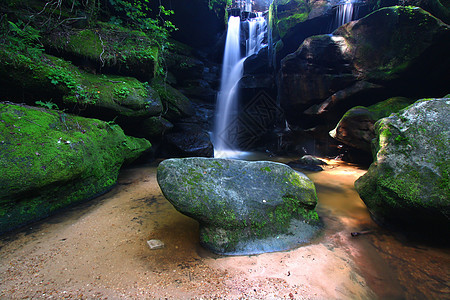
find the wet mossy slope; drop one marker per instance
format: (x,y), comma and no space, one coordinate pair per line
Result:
(50,159)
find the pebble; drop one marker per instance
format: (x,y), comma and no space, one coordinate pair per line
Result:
(155,244)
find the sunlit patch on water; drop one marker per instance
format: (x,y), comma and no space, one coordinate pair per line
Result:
(101,249)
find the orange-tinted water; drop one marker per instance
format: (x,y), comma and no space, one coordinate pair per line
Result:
(99,250)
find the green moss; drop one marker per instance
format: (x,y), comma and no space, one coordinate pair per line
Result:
(110,45)
(175,104)
(285,14)
(53,78)
(51,159)
(267,169)
(287,23)
(85,43)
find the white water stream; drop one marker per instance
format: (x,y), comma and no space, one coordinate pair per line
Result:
(227,102)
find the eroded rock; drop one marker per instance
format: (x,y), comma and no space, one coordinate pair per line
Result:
(408,183)
(242,207)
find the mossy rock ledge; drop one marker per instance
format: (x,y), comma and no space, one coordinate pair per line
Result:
(356,127)
(242,207)
(407,185)
(50,159)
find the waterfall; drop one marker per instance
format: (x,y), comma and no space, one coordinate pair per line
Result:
(257,28)
(232,70)
(344,12)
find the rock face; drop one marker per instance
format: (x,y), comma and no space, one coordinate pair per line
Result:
(408,183)
(356,128)
(50,159)
(242,207)
(291,21)
(107,47)
(393,51)
(188,140)
(307,162)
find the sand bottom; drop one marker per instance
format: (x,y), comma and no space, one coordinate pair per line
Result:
(99,250)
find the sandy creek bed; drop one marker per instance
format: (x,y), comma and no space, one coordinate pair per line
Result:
(99,250)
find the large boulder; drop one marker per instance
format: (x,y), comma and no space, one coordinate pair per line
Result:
(187,140)
(356,127)
(29,77)
(242,207)
(292,21)
(408,183)
(176,105)
(50,159)
(107,47)
(393,51)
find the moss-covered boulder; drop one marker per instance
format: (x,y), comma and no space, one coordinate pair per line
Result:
(392,51)
(356,127)
(188,141)
(175,104)
(242,207)
(107,47)
(50,159)
(292,21)
(286,14)
(408,183)
(32,77)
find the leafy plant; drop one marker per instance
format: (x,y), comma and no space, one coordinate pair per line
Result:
(47,104)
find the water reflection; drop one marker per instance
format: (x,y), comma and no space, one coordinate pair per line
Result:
(100,248)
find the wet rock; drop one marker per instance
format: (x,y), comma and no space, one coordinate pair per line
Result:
(125,100)
(307,162)
(408,183)
(50,159)
(155,127)
(188,140)
(176,104)
(393,51)
(293,21)
(107,48)
(356,128)
(242,207)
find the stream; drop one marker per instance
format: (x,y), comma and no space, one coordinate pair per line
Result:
(99,250)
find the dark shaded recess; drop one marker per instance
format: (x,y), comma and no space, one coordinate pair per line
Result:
(323,24)
(186,140)
(414,225)
(17,91)
(198,26)
(143,72)
(421,81)
(298,142)
(360,10)
(295,37)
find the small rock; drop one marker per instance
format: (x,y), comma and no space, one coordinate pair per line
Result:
(155,244)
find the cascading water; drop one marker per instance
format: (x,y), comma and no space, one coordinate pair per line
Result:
(257,28)
(344,12)
(232,70)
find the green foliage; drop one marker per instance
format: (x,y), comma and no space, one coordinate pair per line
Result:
(51,159)
(212,4)
(137,14)
(47,104)
(20,38)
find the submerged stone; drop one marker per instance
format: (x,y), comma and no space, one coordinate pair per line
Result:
(243,207)
(408,183)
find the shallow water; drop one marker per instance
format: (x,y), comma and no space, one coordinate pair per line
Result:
(98,250)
